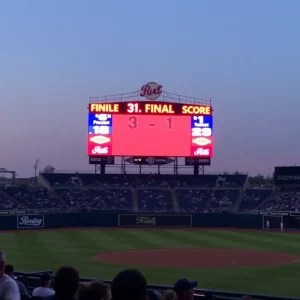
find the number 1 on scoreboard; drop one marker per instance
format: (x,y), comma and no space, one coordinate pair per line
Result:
(170,123)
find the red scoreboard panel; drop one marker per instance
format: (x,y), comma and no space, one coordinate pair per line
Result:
(150,129)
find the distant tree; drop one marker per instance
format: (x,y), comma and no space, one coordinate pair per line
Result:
(49,169)
(257,180)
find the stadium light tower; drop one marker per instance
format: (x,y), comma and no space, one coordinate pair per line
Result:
(35,167)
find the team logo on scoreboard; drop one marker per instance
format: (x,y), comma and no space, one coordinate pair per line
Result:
(202,152)
(151,90)
(201,141)
(100,139)
(100,150)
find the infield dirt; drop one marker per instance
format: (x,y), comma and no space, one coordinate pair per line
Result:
(195,258)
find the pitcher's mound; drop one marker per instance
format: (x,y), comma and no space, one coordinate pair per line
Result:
(193,258)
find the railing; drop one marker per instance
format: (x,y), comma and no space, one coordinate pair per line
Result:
(135,96)
(32,280)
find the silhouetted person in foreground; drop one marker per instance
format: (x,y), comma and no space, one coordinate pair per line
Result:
(95,290)
(169,295)
(66,283)
(129,284)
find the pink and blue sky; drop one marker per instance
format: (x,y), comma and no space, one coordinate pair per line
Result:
(245,55)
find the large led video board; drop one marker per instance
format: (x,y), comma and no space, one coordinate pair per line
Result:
(150,129)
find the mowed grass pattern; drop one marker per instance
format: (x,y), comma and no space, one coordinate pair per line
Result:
(40,250)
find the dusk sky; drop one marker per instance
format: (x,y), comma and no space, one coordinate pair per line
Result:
(244,55)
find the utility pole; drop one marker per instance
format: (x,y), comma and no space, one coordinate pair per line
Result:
(35,167)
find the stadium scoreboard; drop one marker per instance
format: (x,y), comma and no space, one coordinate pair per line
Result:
(149,128)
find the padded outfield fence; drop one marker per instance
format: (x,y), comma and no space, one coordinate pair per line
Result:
(32,280)
(28,219)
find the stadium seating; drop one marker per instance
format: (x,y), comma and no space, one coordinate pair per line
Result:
(284,200)
(35,198)
(92,199)
(9,204)
(155,200)
(253,197)
(146,193)
(206,200)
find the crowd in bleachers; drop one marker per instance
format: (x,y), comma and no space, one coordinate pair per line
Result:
(34,198)
(284,200)
(147,193)
(157,200)
(254,197)
(103,199)
(206,200)
(8,204)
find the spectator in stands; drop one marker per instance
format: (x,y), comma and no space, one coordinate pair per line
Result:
(154,295)
(129,285)
(45,289)
(185,289)
(9,270)
(66,283)
(95,290)
(169,295)
(9,289)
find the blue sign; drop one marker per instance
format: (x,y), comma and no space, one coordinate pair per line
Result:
(100,119)
(30,221)
(202,126)
(202,121)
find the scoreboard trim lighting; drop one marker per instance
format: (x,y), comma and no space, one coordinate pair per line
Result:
(150,108)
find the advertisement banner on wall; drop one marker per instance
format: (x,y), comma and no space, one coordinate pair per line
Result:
(152,220)
(30,221)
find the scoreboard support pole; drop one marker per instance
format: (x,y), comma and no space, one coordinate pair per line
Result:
(100,168)
(176,166)
(201,170)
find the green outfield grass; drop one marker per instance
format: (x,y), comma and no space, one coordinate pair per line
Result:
(39,250)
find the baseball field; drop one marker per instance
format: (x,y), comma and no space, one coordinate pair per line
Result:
(233,260)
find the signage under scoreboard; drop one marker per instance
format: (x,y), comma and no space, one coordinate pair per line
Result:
(95,160)
(191,161)
(149,160)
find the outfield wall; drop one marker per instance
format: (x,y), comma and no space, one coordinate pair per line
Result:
(124,220)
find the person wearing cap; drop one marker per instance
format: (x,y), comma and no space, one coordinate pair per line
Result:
(9,270)
(9,289)
(185,289)
(45,289)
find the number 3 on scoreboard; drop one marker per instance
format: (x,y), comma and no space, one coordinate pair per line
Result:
(133,122)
